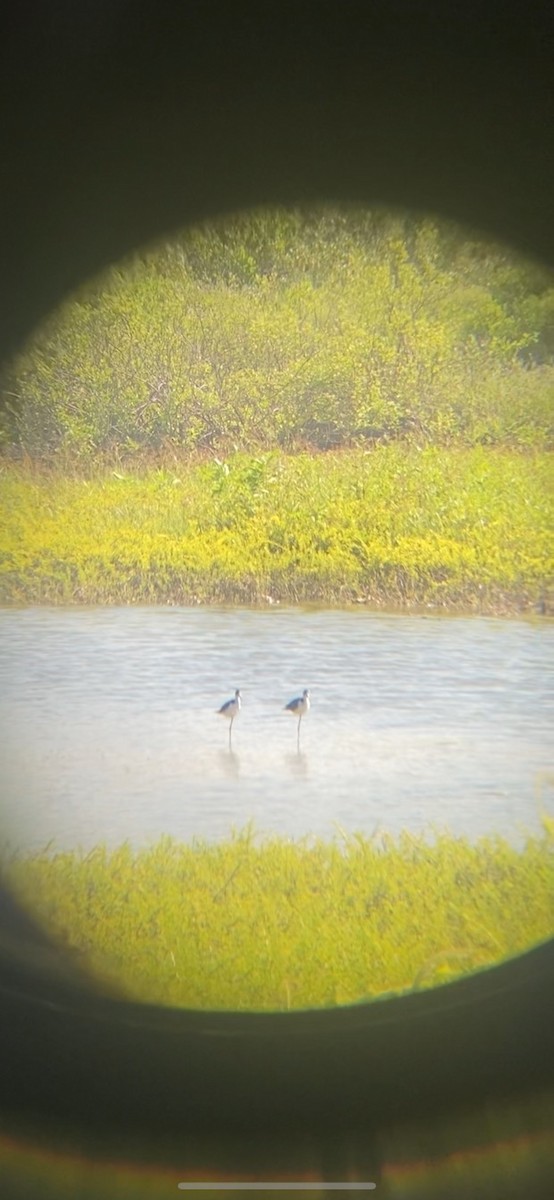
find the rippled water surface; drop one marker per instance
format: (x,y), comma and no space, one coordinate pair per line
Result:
(108,729)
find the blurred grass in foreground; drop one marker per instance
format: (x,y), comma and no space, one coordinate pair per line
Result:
(276,924)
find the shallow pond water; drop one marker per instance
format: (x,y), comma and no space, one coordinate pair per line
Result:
(108,728)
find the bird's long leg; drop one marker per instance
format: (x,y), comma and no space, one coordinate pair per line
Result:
(230,728)
(298,732)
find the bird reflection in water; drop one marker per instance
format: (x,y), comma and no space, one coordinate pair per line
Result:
(230,763)
(297,764)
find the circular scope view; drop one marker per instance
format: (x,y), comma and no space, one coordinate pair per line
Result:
(276,637)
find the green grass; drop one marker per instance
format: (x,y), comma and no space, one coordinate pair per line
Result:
(275,924)
(467,529)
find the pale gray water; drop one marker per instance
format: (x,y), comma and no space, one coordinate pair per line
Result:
(108,730)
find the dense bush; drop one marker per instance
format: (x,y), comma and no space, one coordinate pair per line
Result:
(293,328)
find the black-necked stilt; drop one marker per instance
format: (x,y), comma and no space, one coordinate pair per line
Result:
(299,706)
(230,709)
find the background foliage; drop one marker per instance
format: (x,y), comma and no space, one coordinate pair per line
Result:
(293,328)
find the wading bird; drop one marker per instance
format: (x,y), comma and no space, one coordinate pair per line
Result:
(230,709)
(299,706)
